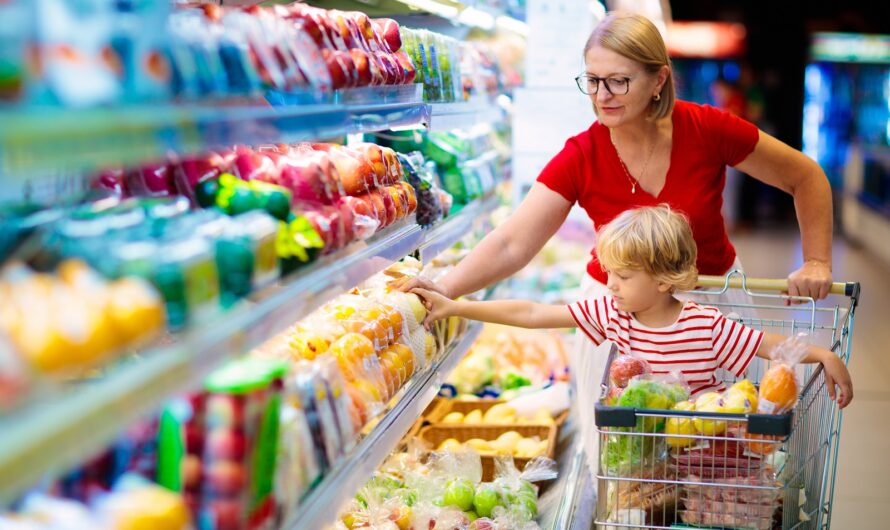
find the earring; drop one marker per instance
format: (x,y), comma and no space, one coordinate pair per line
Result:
(656,97)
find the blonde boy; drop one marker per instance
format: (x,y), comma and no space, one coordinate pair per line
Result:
(649,254)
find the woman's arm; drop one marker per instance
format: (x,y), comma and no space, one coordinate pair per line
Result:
(779,165)
(835,371)
(507,249)
(520,313)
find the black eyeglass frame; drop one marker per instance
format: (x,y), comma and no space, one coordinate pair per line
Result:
(583,80)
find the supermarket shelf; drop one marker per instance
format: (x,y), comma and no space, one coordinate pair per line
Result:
(453,11)
(35,142)
(464,115)
(322,506)
(49,434)
(443,236)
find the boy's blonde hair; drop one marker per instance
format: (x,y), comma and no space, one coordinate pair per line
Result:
(654,239)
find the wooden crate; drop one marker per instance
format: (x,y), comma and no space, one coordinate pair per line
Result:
(438,433)
(465,406)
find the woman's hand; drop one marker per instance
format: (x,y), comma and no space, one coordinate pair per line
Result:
(813,279)
(408,284)
(836,374)
(438,305)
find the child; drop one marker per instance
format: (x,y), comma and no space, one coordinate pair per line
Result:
(649,254)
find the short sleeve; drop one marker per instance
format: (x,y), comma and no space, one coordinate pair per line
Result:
(592,317)
(733,138)
(564,171)
(735,344)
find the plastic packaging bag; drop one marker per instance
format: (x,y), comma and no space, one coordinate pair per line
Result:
(778,386)
(625,367)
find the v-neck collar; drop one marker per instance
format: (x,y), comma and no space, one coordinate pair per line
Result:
(616,160)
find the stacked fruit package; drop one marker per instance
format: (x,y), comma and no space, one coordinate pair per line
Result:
(65,323)
(444,490)
(356,50)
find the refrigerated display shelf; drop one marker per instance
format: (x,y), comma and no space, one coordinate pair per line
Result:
(54,430)
(39,142)
(464,115)
(440,237)
(322,506)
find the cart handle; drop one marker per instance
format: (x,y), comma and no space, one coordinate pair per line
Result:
(851,289)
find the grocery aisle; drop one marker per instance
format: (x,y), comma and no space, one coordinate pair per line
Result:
(862,491)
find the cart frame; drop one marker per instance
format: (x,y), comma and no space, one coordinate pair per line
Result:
(685,476)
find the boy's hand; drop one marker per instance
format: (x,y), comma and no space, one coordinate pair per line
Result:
(836,374)
(439,306)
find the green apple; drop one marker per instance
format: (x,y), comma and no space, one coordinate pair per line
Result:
(486,499)
(459,493)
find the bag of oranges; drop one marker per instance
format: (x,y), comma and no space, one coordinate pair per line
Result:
(778,387)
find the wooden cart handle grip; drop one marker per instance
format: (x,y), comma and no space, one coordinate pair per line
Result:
(770,284)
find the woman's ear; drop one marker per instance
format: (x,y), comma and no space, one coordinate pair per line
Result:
(662,76)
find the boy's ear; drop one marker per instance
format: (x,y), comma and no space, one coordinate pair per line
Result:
(665,287)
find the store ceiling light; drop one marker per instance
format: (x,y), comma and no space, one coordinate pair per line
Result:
(476,18)
(432,6)
(511,24)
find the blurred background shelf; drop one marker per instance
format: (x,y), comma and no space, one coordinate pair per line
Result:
(35,142)
(322,506)
(441,237)
(37,440)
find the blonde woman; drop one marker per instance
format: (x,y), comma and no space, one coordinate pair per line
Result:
(647,148)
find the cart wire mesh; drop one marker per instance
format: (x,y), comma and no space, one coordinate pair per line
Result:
(663,469)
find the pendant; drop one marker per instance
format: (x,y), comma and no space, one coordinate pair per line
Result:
(633,189)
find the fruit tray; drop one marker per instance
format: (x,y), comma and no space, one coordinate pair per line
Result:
(436,434)
(465,406)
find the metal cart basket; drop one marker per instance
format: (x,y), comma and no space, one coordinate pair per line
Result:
(664,469)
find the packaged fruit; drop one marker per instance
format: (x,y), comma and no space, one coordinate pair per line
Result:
(625,367)
(241,425)
(778,386)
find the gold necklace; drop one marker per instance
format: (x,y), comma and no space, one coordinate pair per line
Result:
(633,181)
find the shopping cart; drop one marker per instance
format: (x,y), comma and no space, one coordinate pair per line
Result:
(747,470)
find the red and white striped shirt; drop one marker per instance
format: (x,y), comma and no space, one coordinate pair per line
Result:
(699,343)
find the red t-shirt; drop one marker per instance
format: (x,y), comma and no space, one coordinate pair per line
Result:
(705,141)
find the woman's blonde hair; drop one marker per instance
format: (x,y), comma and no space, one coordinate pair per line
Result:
(654,239)
(636,37)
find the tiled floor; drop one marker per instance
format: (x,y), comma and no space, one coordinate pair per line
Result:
(862,492)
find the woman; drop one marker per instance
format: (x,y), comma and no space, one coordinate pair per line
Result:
(646,149)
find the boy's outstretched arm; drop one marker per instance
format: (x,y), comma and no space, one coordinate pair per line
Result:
(520,313)
(836,373)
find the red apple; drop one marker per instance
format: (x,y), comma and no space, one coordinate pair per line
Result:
(363,67)
(151,180)
(409,72)
(111,180)
(388,31)
(398,200)
(251,165)
(410,194)
(194,437)
(355,174)
(191,472)
(226,444)
(388,205)
(373,155)
(376,203)
(306,180)
(226,477)
(194,170)
(226,514)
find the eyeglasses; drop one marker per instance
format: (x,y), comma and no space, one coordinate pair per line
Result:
(590,84)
